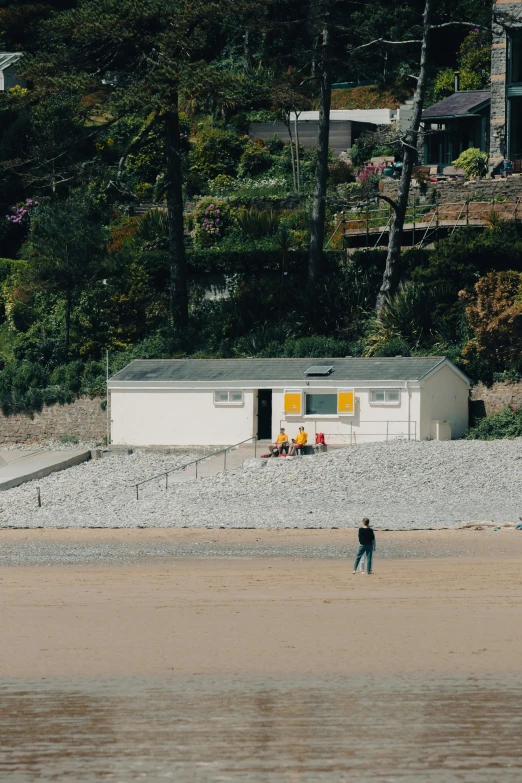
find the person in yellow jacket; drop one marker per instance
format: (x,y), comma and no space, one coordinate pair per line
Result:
(299,442)
(281,443)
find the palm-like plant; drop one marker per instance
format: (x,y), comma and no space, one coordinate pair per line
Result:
(257,223)
(407,316)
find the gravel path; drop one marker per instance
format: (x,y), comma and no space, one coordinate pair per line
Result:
(399,485)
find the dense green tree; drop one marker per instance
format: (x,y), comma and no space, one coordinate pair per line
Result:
(65,251)
(134,59)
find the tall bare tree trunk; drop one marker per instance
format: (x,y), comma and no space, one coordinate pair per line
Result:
(298,160)
(391,273)
(68,309)
(315,259)
(176,244)
(288,123)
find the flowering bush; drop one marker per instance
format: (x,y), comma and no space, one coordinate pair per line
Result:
(224,184)
(209,222)
(20,213)
(369,173)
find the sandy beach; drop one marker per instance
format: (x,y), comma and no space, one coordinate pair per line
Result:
(453,608)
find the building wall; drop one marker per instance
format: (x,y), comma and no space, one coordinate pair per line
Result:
(178,417)
(456,192)
(499,106)
(342,133)
(371,421)
(444,398)
(158,417)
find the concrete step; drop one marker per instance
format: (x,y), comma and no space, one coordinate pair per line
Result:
(18,467)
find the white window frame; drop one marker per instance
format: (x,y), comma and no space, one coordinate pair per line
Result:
(229,403)
(386,401)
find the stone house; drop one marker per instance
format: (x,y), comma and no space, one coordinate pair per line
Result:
(488,119)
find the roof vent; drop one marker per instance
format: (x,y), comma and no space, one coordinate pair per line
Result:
(398,356)
(319,369)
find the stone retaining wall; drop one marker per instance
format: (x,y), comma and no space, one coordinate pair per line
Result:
(83,419)
(499,396)
(456,192)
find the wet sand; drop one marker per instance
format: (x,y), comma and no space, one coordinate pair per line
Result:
(251,615)
(257,656)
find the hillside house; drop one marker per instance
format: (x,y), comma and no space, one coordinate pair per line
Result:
(346,125)
(9,71)
(488,119)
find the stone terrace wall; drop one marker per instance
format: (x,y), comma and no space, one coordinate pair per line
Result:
(457,192)
(499,396)
(83,419)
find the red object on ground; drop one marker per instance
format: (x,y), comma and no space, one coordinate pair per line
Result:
(319,438)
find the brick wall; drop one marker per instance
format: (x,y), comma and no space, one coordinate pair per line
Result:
(83,419)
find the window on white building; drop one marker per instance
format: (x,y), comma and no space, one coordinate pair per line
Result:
(228,397)
(384,396)
(321,404)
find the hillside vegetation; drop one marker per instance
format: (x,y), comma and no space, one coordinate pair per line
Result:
(140,218)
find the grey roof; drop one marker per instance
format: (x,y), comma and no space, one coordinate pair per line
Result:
(460,104)
(344,370)
(9,58)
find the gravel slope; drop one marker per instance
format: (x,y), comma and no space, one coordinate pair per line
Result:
(399,485)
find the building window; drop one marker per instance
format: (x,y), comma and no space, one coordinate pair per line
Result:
(321,404)
(515,57)
(228,398)
(383,396)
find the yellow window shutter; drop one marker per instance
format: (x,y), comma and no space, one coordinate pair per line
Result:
(345,402)
(293,402)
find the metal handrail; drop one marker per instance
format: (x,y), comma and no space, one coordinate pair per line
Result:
(369,218)
(195,462)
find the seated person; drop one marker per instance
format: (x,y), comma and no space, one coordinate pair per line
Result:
(281,443)
(299,442)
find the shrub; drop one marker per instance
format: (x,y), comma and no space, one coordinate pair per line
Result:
(215,152)
(69,439)
(210,219)
(394,347)
(341,172)
(473,161)
(254,160)
(505,424)
(274,144)
(257,223)
(494,314)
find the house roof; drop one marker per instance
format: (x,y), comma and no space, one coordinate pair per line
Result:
(9,58)
(287,370)
(460,104)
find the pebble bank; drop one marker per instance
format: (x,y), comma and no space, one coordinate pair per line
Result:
(399,485)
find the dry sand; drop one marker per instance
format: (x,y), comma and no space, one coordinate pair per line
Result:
(457,612)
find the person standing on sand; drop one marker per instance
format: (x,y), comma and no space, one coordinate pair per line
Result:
(366,546)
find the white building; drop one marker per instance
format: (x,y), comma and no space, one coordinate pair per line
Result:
(190,402)
(8,71)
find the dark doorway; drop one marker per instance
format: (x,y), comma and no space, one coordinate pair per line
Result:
(264,414)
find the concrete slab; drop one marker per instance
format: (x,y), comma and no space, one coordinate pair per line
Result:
(17,467)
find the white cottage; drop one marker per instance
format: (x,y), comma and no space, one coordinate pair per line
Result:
(191,402)
(9,71)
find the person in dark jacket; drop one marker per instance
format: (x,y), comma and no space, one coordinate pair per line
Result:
(366,546)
